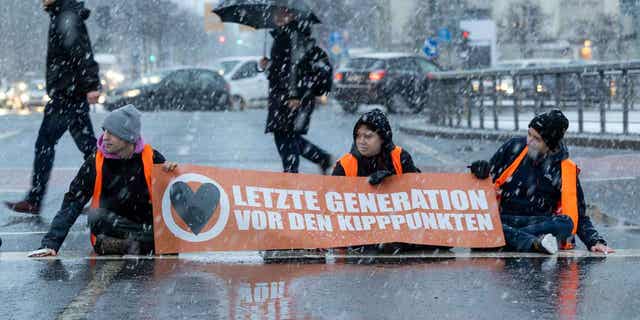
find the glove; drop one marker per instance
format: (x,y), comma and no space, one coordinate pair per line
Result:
(480,169)
(377,177)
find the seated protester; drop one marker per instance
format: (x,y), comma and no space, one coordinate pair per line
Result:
(540,198)
(374,155)
(118,180)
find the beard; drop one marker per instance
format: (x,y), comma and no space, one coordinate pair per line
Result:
(534,153)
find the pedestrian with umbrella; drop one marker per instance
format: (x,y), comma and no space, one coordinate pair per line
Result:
(298,71)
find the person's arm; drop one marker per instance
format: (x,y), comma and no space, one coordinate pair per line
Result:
(407,163)
(76,42)
(79,194)
(586,231)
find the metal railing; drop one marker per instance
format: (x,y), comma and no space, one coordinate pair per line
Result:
(598,96)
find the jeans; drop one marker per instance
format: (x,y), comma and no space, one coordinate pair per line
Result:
(521,231)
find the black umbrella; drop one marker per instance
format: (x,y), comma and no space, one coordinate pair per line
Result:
(258,13)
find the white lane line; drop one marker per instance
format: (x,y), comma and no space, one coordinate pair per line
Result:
(12,190)
(7,135)
(609,179)
(24,233)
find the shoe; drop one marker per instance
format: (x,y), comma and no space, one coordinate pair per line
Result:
(23,207)
(326,165)
(546,244)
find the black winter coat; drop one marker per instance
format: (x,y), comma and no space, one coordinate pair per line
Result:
(72,71)
(124,192)
(290,75)
(534,189)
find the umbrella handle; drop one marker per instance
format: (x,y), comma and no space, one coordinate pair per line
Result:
(264,45)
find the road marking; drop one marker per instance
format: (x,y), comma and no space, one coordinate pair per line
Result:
(7,135)
(25,233)
(86,299)
(609,179)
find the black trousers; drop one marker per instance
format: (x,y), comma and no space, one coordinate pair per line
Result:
(292,145)
(105,222)
(60,115)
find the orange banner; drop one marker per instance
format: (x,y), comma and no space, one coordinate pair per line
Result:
(212,209)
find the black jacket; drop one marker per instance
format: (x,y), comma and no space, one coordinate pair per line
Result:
(124,192)
(290,72)
(534,189)
(71,70)
(377,121)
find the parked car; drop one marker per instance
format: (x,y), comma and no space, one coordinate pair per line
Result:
(249,87)
(399,81)
(183,89)
(27,94)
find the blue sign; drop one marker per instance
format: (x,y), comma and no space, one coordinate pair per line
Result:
(335,37)
(430,48)
(444,34)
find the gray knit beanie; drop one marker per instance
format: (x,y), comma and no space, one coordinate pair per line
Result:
(124,123)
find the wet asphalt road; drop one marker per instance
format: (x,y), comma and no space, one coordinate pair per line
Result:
(241,286)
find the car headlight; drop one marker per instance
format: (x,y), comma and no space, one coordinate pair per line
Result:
(132,93)
(22,86)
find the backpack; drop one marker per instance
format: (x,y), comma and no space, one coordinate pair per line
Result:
(320,77)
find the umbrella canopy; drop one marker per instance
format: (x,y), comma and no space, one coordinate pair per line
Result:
(259,13)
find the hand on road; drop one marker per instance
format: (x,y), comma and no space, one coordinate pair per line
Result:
(169,166)
(293,104)
(46,252)
(93,96)
(602,248)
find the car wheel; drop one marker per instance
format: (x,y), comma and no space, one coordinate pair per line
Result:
(349,107)
(238,103)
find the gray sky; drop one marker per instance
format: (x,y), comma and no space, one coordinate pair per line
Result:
(195,5)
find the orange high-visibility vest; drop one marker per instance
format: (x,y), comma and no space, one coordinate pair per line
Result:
(147,164)
(568,204)
(350,163)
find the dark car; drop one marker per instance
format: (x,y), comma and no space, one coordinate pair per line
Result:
(180,89)
(399,81)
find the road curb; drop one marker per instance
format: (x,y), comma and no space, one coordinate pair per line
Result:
(604,141)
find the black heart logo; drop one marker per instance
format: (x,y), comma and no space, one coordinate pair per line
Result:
(196,209)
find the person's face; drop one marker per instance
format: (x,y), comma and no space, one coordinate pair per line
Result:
(113,144)
(368,142)
(282,17)
(537,146)
(48,3)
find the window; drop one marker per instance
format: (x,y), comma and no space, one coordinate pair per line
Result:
(403,65)
(205,79)
(426,66)
(177,79)
(248,70)
(365,64)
